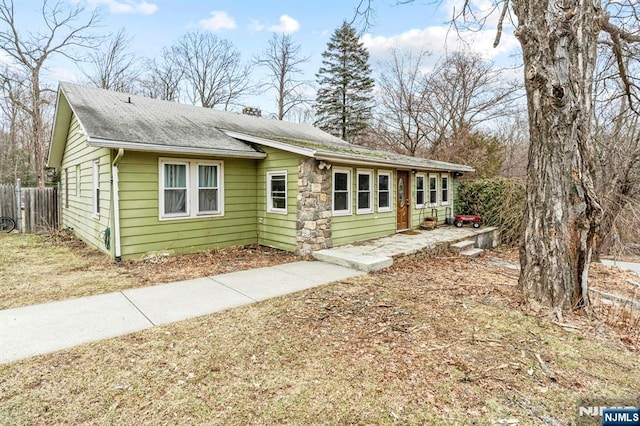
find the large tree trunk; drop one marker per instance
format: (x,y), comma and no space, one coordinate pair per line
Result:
(562,212)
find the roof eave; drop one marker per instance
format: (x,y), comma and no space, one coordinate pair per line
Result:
(270,143)
(60,127)
(173,149)
(389,163)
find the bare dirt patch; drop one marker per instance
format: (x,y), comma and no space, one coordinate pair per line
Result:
(445,340)
(39,269)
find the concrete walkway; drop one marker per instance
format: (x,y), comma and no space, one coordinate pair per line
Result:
(40,329)
(635,267)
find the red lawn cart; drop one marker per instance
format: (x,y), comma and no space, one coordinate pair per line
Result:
(460,219)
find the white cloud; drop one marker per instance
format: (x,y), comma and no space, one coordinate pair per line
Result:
(218,21)
(256,25)
(440,40)
(287,25)
(126,6)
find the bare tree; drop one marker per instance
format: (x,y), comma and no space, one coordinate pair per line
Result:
(465,92)
(617,146)
(438,113)
(562,211)
(213,72)
(402,103)
(14,132)
(66,29)
(282,59)
(115,66)
(164,77)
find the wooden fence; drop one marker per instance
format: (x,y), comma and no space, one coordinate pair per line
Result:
(39,207)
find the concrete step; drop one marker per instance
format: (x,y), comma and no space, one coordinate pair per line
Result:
(463,245)
(471,252)
(360,262)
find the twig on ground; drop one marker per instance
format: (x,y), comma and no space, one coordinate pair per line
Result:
(546,370)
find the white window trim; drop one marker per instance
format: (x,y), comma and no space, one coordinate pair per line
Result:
(389,175)
(95,195)
(78,180)
(196,188)
(192,189)
(364,172)
(270,208)
(448,201)
(346,212)
(428,190)
(425,190)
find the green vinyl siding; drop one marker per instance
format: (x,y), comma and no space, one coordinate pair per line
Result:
(364,226)
(78,160)
(143,232)
(276,229)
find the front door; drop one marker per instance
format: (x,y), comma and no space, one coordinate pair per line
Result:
(402,189)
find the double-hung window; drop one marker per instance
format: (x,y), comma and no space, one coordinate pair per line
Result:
(444,189)
(190,188)
(96,188)
(420,190)
(277,192)
(341,191)
(175,189)
(433,190)
(208,188)
(365,191)
(384,191)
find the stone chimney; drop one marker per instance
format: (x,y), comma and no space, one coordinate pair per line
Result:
(256,112)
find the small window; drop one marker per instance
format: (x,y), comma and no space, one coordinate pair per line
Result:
(208,188)
(365,192)
(341,191)
(66,188)
(420,190)
(444,189)
(77,180)
(384,191)
(433,190)
(277,192)
(96,188)
(175,189)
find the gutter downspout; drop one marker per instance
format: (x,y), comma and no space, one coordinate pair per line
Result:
(116,205)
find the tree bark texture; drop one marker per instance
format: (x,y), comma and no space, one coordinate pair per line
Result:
(558,39)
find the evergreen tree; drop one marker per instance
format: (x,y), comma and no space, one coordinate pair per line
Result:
(344,101)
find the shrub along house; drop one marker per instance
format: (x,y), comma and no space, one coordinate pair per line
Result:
(141,175)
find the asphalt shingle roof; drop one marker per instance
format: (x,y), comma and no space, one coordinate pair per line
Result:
(112,118)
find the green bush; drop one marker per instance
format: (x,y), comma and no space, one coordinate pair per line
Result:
(499,201)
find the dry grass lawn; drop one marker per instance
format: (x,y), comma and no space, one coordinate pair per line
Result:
(38,269)
(442,341)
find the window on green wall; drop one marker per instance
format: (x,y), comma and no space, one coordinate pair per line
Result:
(189,188)
(96,188)
(341,191)
(365,191)
(66,188)
(384,191)
(77,180)
(420,190)
(208,188)
(277,192)
(433,190)
(444,189)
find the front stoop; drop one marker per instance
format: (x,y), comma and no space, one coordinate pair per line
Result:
(360,262)
(461,246)
(471,252)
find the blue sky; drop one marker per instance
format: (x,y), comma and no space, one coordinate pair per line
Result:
(153,24)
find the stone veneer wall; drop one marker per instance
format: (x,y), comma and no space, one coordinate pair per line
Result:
(313,224)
